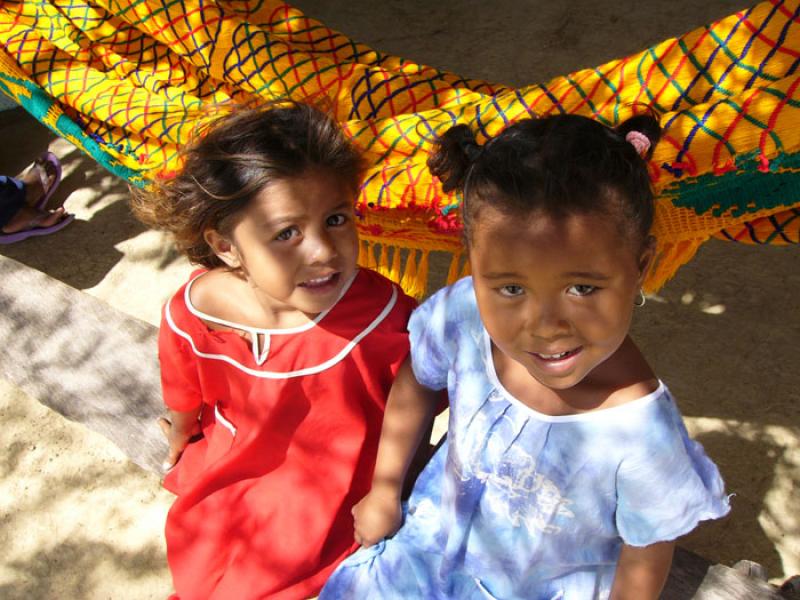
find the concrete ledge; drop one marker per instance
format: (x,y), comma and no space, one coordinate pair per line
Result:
(83,359)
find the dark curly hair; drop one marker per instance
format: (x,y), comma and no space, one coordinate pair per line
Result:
(561,165)
(232,159)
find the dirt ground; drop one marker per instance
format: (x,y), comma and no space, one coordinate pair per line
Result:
(77,520)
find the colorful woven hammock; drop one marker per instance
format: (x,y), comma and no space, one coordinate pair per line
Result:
(127,80)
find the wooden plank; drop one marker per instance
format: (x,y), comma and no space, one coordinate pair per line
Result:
(686,575)
(82,358)
(98,366)
(724,583)
(693,577)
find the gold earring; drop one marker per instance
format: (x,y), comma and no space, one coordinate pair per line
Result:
(641,299)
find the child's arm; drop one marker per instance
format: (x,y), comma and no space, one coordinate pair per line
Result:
(642,571)
(179,429)
(180,388)
(409,411)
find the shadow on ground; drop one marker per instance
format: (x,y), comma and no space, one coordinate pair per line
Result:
(75,524)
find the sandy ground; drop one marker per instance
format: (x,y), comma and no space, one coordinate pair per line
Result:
(77,520)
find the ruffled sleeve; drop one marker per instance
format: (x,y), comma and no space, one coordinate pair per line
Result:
(433,335)
(668,485)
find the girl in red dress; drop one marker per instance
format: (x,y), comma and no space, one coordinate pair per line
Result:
(276,357)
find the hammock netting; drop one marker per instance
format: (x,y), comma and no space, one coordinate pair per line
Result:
(128,81)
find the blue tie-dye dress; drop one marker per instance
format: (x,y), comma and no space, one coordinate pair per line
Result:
(518,504)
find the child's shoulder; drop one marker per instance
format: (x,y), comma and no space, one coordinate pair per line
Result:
(205,287)
(448,315)
(201,293)
(217,292)
(648,423)
(457,296)
(368,278)
(178,325)
(645,387)
(371,288)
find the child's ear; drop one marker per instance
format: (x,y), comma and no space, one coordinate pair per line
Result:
(646,256)
(223,247)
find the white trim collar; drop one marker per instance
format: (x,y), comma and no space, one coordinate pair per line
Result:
(256,333)
(288,374)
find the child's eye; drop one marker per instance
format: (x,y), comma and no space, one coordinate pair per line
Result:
(287,234)
(336,220)
(510,291)
(581,289)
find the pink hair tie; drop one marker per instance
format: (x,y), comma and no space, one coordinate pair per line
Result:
(639,141)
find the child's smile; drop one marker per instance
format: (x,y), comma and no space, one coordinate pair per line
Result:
(322,285)
(555,295)
(557,362)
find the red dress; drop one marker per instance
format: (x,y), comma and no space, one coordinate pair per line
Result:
(291,426)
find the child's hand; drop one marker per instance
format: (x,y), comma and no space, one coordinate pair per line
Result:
(377,516)
(177,438)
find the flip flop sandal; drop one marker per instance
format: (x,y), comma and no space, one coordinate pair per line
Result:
(32,230)
(41,164)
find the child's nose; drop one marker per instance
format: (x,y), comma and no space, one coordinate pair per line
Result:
(323,248)
(547,320)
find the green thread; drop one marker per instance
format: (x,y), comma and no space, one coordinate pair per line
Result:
(739,193)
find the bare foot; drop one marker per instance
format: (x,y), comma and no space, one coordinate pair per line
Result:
(28,217)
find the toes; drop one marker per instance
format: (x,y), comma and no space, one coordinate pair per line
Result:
(51,217)
(30,218)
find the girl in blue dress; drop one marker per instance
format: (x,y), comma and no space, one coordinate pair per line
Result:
(567,471)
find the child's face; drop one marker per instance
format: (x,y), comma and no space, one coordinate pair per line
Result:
(556,295)
(296,242)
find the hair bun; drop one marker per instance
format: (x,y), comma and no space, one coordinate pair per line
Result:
(641,131)
(471,148)
(454,153)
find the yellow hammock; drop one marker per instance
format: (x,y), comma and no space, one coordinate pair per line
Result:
(126,81)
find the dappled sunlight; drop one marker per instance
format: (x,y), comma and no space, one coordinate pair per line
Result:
(77,519)
(95,252)
(83,358)
(83,253)
(723,336)
(761,467)
(86,185)
(144,279)
(105,251)
(707,304)
(722,342)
